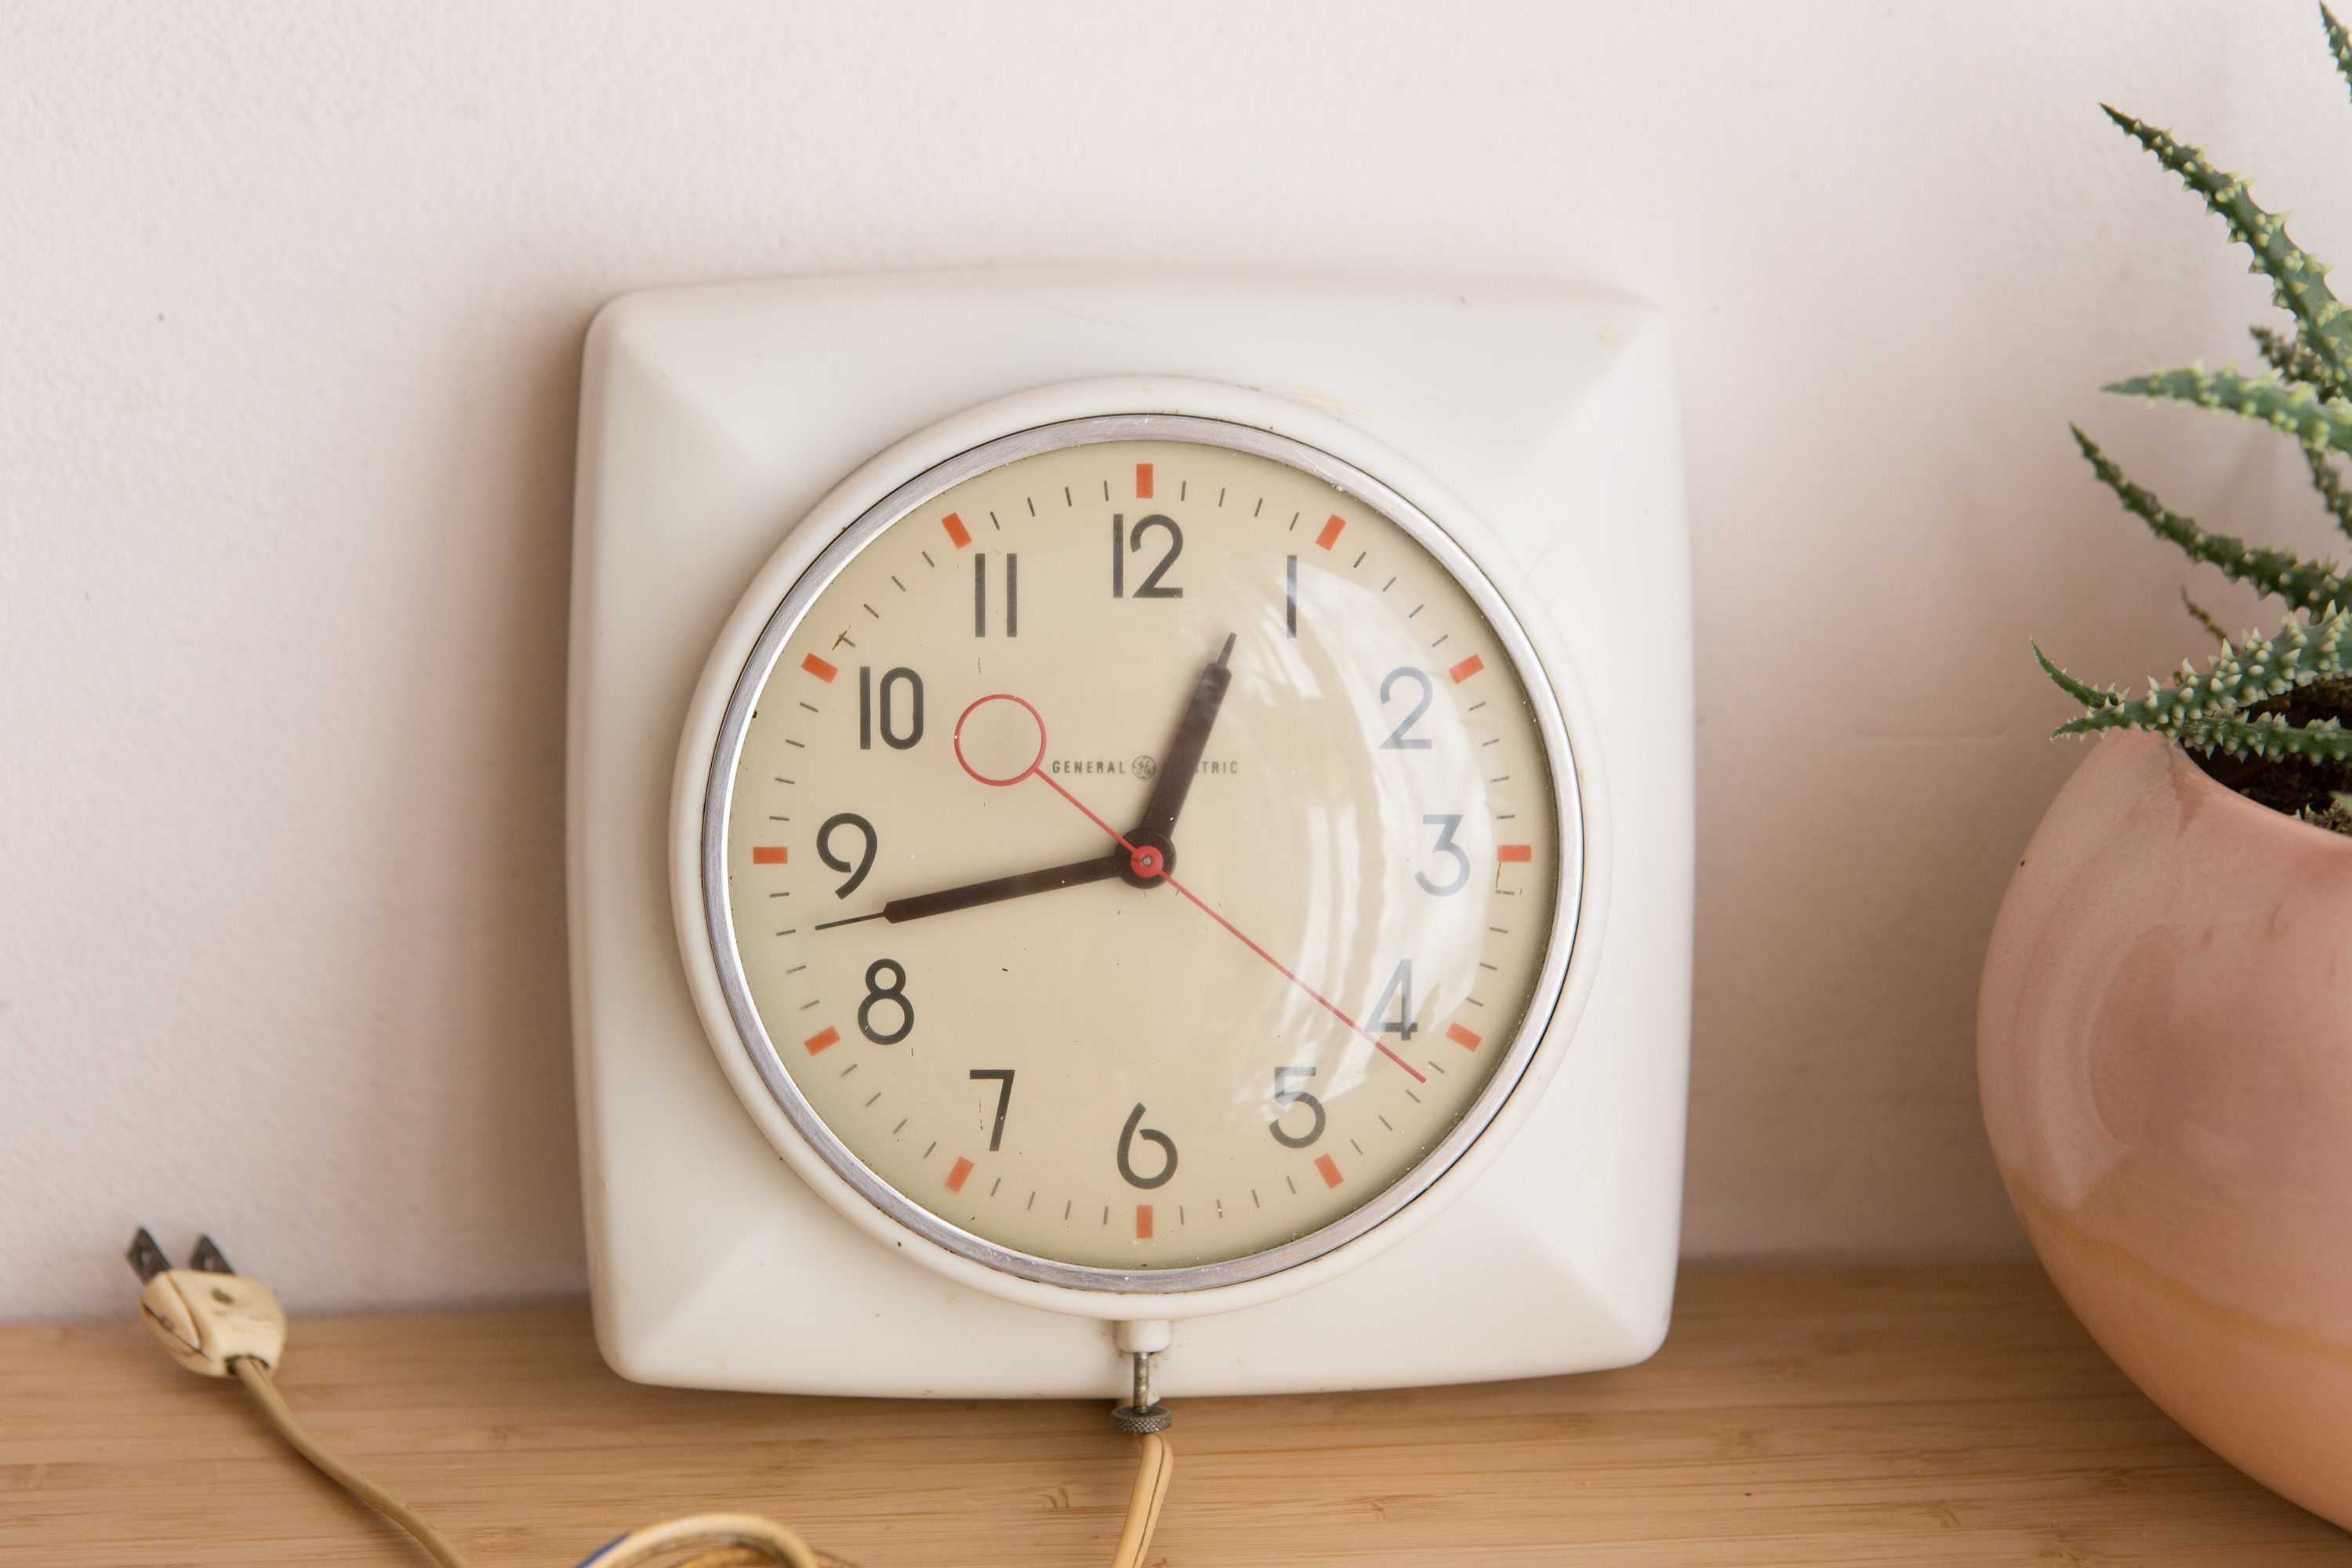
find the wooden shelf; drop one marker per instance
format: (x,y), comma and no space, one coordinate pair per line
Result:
(1935,1415)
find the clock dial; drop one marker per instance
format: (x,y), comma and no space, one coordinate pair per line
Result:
(1141,855)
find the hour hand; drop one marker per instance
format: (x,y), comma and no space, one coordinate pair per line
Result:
(1183,759)
(972,895)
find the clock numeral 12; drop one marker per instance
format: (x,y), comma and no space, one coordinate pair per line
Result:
(980,594)
(1123,543)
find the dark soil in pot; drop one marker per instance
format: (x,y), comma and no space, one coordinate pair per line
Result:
(2296,785)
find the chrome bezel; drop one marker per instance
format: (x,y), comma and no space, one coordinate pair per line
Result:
(1090,431)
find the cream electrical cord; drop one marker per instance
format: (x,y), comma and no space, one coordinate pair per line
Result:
(218,1322)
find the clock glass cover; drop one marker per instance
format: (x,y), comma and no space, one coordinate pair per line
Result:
(1141,853)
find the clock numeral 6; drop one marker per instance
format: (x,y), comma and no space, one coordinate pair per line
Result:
(1287,1096)
(1122,541)
(850,819)
(895,994)
(1127,1137)
(868,700)
(1444,846)
(1402,738)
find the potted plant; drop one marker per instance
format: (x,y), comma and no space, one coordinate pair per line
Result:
(2164,1031)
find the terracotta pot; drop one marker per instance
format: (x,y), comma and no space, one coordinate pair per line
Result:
(2164,1043)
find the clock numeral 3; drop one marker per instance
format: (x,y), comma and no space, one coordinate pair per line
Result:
(1402,738)
(868,700)
(1123,542)
(1445,845)
(864,861)
(1127,1137)
(895,994)
(1287,1096)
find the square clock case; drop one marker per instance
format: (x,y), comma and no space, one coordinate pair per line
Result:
(920,1050)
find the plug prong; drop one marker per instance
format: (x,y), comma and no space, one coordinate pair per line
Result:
(146,1257)
(208,1259)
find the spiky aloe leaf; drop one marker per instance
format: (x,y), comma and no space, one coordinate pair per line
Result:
(2295,362)
(2092,697)
(2206,708)
(2304,585)
(2331,487)
(2270,736)
(2196,613)
(2299,282)
(2338,43)
(2296,411)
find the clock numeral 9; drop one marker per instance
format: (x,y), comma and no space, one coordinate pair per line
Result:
(869,699)
(1287,1096)
(1127,1137)
(1445,845)
(864,861)
(1122,542)
(895,994)
(1402,738)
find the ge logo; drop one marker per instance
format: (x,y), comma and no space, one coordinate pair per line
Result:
(1144,767)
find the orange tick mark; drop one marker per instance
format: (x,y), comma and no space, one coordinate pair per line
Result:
(1330,1168)
(1143,481)
(956,530)
(956,1177)
(769,854)
(1466,669)
(821,1038)
(1331,534)
(819,668)
(1143,1222)
(1515,852)
(1462,1036)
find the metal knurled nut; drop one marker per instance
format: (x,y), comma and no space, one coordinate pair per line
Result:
(1151,1419)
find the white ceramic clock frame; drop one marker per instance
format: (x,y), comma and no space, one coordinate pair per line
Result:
(1628,1310)
(925,465)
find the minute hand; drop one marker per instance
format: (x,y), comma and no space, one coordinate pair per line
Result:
(1183,759)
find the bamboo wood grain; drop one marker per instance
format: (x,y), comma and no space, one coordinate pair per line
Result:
(1940,1415)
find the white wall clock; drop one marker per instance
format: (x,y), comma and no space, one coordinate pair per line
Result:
(1110,799)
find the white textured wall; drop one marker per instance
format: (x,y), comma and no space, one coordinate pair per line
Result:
(290,309)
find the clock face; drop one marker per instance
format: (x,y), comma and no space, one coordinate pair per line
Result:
(1140,854)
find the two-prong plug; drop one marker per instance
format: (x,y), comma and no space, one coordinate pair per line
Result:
(207,1315)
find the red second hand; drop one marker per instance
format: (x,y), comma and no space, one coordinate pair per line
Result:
(1146,864)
